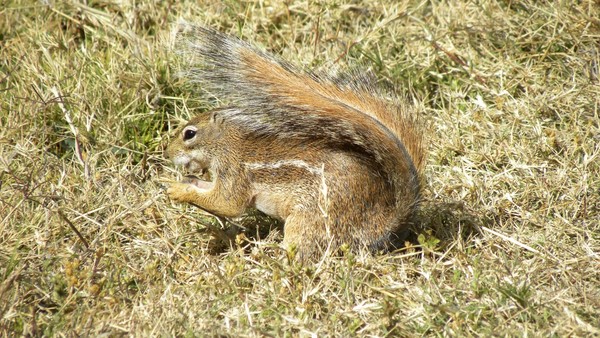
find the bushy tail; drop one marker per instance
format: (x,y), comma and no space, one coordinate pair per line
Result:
(269,89)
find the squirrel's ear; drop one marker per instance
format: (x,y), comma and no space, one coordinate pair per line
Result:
(215,118)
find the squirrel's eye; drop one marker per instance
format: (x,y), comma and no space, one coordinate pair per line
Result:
(189,134)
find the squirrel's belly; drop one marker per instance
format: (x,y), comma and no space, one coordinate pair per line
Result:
(272,203)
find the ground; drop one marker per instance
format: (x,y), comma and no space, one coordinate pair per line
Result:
(508,241)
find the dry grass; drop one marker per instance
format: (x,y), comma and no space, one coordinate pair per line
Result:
(510,233)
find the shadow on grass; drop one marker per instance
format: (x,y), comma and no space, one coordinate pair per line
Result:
(226,234)
(441,224)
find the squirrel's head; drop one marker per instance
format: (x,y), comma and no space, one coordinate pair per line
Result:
(193,146)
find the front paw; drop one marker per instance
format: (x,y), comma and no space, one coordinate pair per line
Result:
(179,191)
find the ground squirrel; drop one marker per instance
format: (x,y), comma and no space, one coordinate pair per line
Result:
(328,155)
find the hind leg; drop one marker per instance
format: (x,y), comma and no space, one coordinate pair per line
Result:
(309,235)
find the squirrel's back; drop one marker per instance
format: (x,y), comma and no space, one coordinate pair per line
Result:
(346,114)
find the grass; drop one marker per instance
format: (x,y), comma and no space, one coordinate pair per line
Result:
(509,243)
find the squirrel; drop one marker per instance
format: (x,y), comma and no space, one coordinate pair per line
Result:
(328,155)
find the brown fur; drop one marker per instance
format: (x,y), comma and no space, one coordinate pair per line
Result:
(328,156)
